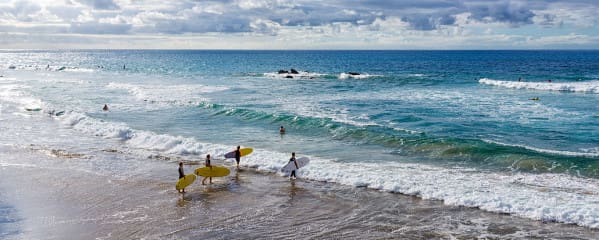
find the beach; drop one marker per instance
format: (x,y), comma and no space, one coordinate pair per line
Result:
(245,205)
(406,149)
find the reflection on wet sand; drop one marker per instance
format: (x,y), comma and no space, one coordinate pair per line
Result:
(248,204)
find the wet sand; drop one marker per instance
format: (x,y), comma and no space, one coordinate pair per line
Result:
(245,205)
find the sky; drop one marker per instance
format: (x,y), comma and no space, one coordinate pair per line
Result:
(299,24)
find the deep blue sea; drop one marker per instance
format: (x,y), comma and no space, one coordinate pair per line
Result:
(505,131)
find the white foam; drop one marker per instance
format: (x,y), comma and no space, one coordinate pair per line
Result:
(16,93)
(359,76)
(586,86)
(547,197)
(183,94)
(416,75)
(583,153)
(76,69)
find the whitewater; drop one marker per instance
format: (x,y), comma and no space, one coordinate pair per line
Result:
(462,140)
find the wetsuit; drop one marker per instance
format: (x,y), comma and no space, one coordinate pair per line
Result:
(181,174)
(237,156)
(292,159)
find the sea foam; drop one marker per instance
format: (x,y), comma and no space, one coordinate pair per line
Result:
(586,86)
(357,76)
(545,197)
(183,94)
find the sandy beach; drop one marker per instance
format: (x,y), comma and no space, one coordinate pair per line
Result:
(245,205)
(421,151)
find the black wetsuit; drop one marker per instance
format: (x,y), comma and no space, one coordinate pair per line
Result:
(181,174)
(237,156)
(292,159)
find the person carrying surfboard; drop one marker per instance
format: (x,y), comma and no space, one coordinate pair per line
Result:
(292,159)
(238,155)
(181,175)
(210,166)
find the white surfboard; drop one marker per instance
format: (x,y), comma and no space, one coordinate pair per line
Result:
(301,162)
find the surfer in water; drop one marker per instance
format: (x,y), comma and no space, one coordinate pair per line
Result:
(181,175)
(105,108)
(210,166)
(282,130)
(292,159)
(237,156)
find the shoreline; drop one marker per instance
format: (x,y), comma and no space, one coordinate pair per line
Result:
(247,204)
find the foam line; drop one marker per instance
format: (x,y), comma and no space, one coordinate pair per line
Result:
(586,86)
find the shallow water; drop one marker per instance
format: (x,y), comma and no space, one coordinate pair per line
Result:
(454,127)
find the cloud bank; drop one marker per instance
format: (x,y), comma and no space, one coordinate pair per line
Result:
(375,24)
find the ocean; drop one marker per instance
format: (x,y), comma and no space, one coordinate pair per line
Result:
(511,133)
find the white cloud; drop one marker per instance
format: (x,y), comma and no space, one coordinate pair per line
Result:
(303,24)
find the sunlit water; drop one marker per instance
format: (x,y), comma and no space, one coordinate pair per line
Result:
(455,126)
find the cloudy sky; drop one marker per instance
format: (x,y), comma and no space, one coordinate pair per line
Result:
(299,24)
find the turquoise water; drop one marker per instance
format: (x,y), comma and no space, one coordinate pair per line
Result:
(407,123)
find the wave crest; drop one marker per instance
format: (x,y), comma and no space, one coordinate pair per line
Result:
(587,86)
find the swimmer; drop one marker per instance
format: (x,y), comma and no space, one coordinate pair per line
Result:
(105,108)
(282,130)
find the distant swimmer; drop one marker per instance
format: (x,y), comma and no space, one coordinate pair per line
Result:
(282,130)
(105,108)
(292,159)
(519,79)
(124,67)
(210,166)
(181,175)
(238,156)
(535,99)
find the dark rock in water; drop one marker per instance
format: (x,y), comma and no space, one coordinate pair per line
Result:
(288,76)
(283,71)
(293,71)
(353,73)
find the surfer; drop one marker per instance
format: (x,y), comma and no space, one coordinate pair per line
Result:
(210,166)
(292,159)
(105,108)
(181,175)
(237,156)
(282,130)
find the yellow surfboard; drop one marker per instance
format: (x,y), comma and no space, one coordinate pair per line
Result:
(244,151)
(216,171)
(185,181)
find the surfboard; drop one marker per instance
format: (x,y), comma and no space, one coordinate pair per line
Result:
(216,171)
(301,162)
(244,151)
(185,181)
